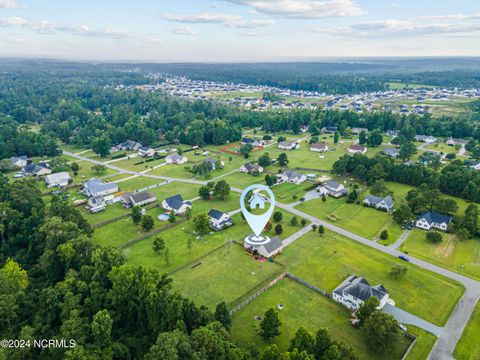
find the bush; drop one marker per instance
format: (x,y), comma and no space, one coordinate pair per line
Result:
(434,237)
(278,229)
(384,235)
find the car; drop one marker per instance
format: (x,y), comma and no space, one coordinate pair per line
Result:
(410,227)
(404,257)
(302,199)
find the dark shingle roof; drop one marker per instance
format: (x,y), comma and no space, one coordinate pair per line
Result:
(433,217)
(142,196)
(360,288)
(175,202)
(216,214)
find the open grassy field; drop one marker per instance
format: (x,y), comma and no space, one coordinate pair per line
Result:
(468,348)
(288,193)
(424,344)
(301,303)
(326,261)
(352,217)
(462,256)
(224,275)
(401,86)
(242,180)
(442,147)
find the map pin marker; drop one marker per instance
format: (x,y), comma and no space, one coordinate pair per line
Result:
(257,222)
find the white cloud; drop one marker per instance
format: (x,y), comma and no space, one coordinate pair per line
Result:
(255,33)
(182,30)
(303,9)
(13,21)
(217,18)
(474,16)
(9,4)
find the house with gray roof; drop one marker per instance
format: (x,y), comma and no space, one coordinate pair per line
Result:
(39,169)
(19,161)
(250,168)
(138,199)
(268,250)
(432,220)
(60,179)
(213,163)
(288,145)
(176,204)
(176,159)
(219,220)
(128,145)
(393,152)
(291,177)
(354,291)
(96,188)
(386,203)
(333,189)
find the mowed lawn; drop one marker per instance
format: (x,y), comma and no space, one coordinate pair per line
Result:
(361,220)
(424,344)
(301,303)
(326,261)
(468,348)
(288,193)
(224,275)
(462,256)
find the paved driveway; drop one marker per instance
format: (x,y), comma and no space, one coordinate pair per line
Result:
(405,317)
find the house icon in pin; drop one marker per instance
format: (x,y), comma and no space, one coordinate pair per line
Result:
(257,201)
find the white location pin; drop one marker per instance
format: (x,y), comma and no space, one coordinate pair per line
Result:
(257,222)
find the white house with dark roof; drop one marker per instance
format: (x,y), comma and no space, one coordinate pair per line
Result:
(138,199)
(426,139)
(385,204)
(96,187)
(432,220)
(250,168)
(213,163)
(176,159)
(219,220)
(332,188)
(268,250)
(393,152)
(39,169)
(357,149)
(319,147)
(354,291)
(291,177)
(19,161)
(288,145)
(60,179)
(176,204)
(128,145)
(253,142)
(146,152)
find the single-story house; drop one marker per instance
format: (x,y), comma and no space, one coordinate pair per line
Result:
(291,177)
(333,189)
(128,145)
(288,145)
(475,165)
(431,219)
(19,161)
(357,149)
(146,151)
(253,142)
(393,152)
(176,204)
(213,163)
(176,159)
(138,199)
(426,139)
(39,169)
(354,291)
(96,187)
(329,129)
(379,203)
(393,133)
(60,179)
(250,168)
(319,147)
(219,220)
(268,250)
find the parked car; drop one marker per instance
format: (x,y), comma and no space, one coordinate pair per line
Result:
(404,257)
(410,227)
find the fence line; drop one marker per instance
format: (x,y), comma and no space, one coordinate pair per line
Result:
(307,284)
(109,221)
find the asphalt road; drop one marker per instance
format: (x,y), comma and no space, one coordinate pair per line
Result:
(443,348)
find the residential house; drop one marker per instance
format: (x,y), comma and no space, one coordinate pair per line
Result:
(453,142)
(96,204)
(19,162)
(357,130)
(291,177)
(253,142)
(39,169)
(288,145)
(176,159)
(329,129)
(393,152)
(268,250)
(354,291)
(60,179)
(146,151)
(334,189)
(393,133)
(319,147)
(213,163)
(128,145)
(138,199)
(176,204)
(219,220)
(426,139)
(385,204)
(431,219)
(357,149)
(96,188)
(475,165)
(250,168)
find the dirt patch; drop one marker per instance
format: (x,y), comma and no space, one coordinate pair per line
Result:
(447,247)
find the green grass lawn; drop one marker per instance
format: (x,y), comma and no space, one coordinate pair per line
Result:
(462,256)
(286,192)
(224,275)
(424,344)
(442,147)
(364,221)
(468,348)
(326,261)
(242,180)
(301,303)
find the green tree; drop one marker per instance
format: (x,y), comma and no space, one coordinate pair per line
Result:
(201,224)
(136,215)
(271,353)
(277,216)
(362,137)
(407,150)
(375,138)
(270,325)
(322,342)
(398,272)
(367,309)
(278,229)
(98,168)
(402,213)
(166,256)
(303,341)
(434,237)
(384,234)
(222,189)
(265,160)
(294,221)
(102,328)
(222,315)
(101,146)
(158,244)
(382,331)
(245,150)
(147,222)
(171,217)
(321,229)
(282,159)
(379,188)
(336,137)
(204,192)
(303,222)
(75,167)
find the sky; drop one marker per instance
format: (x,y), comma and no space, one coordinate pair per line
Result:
(237,30)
